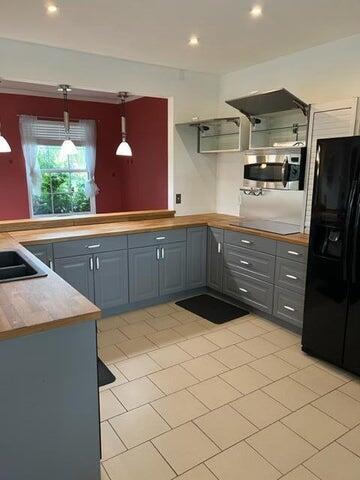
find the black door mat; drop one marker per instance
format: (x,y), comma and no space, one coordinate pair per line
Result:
(212,309)
(104,375)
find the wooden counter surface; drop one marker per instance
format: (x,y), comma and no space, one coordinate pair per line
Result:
(38,304)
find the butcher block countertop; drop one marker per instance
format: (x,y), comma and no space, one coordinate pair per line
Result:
(38,304)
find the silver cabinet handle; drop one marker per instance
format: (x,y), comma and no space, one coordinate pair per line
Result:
(91,263)
(289,308)
(292,252)
(158,254)
(292,277)
(97,245)
(243,262)
(162,252)
(51,264)
(243,290)
(246,241)
(160,238)
(219,247)
(97,263)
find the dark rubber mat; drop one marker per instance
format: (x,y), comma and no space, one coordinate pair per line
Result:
(104,375)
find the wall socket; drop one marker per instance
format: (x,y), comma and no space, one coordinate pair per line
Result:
(178,198)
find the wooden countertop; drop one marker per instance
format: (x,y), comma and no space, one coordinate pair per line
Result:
(28,237)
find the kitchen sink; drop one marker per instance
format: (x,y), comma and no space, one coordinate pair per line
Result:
(15,266)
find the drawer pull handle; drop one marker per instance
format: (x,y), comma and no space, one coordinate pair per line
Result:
(160,238)
(292,252)
(292,277)
(97,245)
(246,241)
(219,247)
(291,309)
(243,290)
(244,262)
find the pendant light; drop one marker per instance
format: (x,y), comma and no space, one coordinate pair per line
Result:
(68,147)
(4,146)
(124,148)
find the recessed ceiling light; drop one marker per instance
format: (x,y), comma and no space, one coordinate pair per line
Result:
(51,9)
(256,11)
(194,41)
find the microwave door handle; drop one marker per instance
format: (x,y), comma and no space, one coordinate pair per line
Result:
(285,171)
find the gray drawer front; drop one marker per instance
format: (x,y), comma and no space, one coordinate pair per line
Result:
(254,292)
(290,275)
(289,306)
(292,251)
(251,242)
(89,246)
(157,238)
(256,264)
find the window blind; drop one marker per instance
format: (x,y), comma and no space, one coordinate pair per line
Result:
(51,132)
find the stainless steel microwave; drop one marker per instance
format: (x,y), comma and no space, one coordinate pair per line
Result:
(277,169)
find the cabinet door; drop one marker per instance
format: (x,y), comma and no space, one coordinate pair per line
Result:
(143,273)
(78,272)
(43,252)
(172,268)
(111,279)
(196,257)
(215,259)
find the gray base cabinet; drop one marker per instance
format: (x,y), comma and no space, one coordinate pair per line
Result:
(215,259)
(43,252)
(78,272)
(143,273)
(111,279)
(196,257)
(172,268)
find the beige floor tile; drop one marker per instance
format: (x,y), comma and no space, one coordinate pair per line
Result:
(273,367)
(111,354)
(136,330)
(241,462)
(260,409)
(111,445)
(160,310)
(223,338)
(245,379)
(119,379)
(165,337)
(179,408)
(214,392)
(140,463)
(198,473)
(136,316)
(351,441)
(184,317)
(282,338)
(136,346)
(109,337)
(169,356)
(281,447)
(139,425)
(265,324)
(233,356)
(109,405)
(185,447)
(291,394)
(258,347)
(334,463)
(204,367)
(336,371)
(295,356)
(314,426)
(110,323)
(225,426)
(136,393)
(173,379)
(163,323)
(352,389)
(191,330)
(137,367)
(103,474)
(340,406)
(198,346)
(247,330)
(317,379)
(300,473)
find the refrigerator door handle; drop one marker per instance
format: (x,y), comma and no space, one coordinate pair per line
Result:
(347,227)
(355,241)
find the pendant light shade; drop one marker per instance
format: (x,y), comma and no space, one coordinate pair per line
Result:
(68,147)
(4,146)
(124,149)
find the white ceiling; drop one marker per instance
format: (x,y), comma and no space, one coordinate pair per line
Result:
(157,31)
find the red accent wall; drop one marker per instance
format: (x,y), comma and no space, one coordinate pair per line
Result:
(119,181)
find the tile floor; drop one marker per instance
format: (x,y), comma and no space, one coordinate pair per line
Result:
(197,401)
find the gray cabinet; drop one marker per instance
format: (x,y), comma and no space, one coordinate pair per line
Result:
(43,252)
(111,279)
(289,306)
(143,273)
(78,272)
(215,260)
(257,264)
(196,257)
(172,268)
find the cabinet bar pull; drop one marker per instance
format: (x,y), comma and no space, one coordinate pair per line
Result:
(97,245)
(246,241)
(91,263)
(292,252)
(162,252)
(292,277)
(51,264)
(289,308)
(160,238)
(157,254)
(219,247)
(244,262)
(97,263)
(243,290)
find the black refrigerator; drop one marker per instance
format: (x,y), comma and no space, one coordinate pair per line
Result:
(331,329)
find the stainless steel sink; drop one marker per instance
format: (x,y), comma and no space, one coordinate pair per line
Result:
(14,266)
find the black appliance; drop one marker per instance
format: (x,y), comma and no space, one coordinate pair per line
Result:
(331,328)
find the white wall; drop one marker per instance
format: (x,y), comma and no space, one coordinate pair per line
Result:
(316,75)
(193,94)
